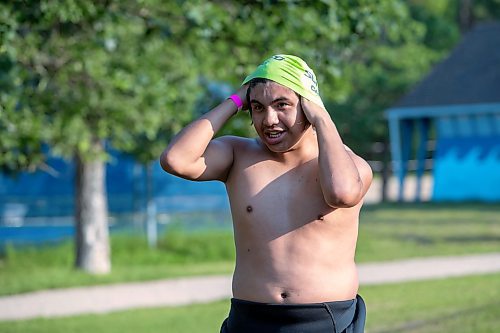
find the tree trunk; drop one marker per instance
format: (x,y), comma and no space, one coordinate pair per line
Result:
(92,236)
(465,15)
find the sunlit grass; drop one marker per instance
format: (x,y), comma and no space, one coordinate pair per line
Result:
(178,254)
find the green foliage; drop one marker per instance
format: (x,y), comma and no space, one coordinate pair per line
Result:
(130,73)
(85,71)
(377,83)
(439,18)
(330,35)
(486,9)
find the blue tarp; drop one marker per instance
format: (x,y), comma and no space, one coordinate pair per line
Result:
(44,194)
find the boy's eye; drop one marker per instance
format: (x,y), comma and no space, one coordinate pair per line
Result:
(282,105)
(256,107)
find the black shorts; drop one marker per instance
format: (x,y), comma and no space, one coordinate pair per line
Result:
(338,317)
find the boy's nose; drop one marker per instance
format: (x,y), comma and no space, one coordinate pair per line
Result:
(271,118)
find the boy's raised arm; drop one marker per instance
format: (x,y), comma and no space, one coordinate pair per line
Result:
(194,154)
(344,176)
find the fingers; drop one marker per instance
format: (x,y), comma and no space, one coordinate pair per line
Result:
(242,93)
(305,104)
(312,111)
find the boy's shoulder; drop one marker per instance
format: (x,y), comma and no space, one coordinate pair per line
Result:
(241,143)
(246,149)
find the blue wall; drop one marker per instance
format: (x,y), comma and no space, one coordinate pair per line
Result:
(43,194)
(467,158)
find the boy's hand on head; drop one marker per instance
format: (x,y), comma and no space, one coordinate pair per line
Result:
(242,93)
(311,110)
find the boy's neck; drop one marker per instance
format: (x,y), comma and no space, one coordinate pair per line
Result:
(303,151)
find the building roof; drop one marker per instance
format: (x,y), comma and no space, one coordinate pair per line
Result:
(469,75)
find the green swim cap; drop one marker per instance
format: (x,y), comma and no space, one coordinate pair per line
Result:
(291,72)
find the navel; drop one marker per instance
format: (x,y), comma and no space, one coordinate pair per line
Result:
(284,295)
(249,209)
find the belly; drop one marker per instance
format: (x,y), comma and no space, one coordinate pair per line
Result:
(299,267)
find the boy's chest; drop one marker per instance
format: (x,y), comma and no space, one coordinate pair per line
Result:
(267,187)
(270,177)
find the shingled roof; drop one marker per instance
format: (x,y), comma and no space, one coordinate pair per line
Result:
(470,75)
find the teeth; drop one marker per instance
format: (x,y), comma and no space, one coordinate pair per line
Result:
(274,134)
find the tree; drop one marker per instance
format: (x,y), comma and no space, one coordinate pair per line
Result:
(80,75)
(351,44)
(84,75)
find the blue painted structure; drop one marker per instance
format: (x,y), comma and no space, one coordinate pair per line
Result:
(460,101)
(38,208)
(52,194)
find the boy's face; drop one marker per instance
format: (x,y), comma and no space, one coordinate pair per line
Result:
(277,116)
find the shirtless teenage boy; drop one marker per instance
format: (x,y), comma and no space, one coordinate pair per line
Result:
(295,193)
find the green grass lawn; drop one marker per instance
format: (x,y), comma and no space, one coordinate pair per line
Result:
(396,231)
(387,232)
(178,254)
(459,305)
(465,304)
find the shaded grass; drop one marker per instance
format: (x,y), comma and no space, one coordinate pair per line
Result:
(459,305)
(397,231)
(387,232)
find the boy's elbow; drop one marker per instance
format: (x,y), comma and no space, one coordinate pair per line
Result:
(346,197)
(169,162)
(178,165)
(349,194)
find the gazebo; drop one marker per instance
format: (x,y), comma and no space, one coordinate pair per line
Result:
(459,103)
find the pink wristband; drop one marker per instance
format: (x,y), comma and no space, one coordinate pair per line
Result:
(237,100)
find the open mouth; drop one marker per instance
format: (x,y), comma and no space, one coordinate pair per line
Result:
(273,137)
